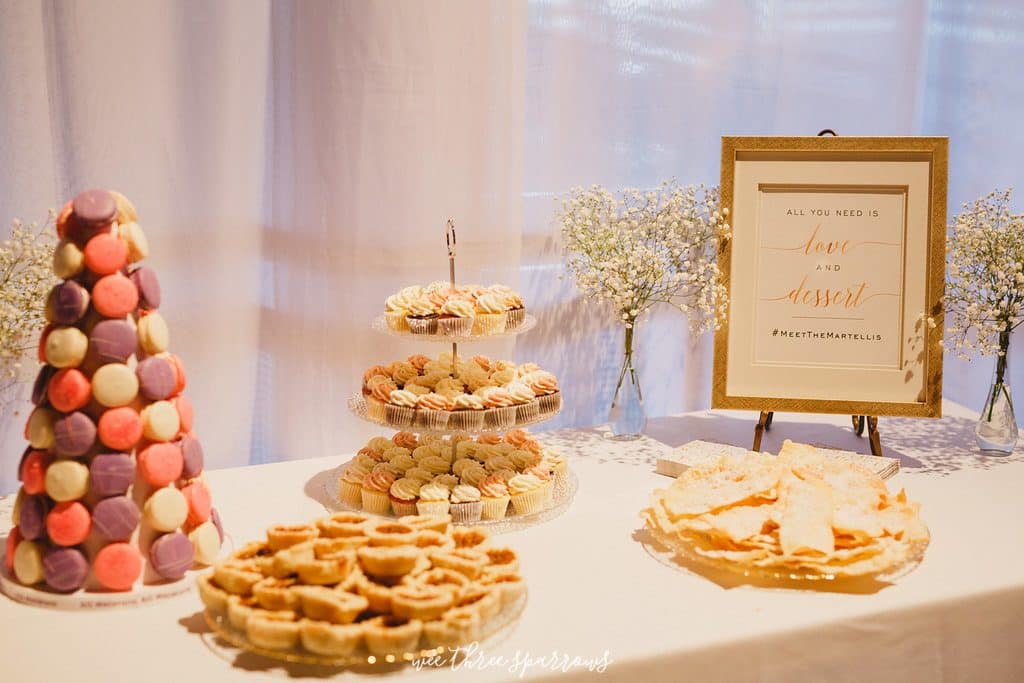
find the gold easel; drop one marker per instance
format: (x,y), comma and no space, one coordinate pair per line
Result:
(764,423)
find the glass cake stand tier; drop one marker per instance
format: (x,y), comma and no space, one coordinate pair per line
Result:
(380,324)
(681,554)
(357,406)
(493,631)
(562,496)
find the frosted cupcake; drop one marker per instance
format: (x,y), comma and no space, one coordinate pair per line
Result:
(419,474)
(555,464)
(422,316)
(494,496)
(395,313)
(433,411)
(405,440)
(449,481)
(501,408)
(490,314)
(466,505)
(467,413)
(403,462)
(473,474)
(527,408)
(456,318)
(350,484)
(433,500)
(376,402)
(435,464)
(544,475)
(527,493)
(401,408)
(404,494)
(515,310)
(376,486)
(545,386)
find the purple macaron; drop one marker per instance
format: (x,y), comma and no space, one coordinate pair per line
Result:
(148,286)
(110,474)
(68,302)
(46,373)
(157,379)
(171,555)
(116,518)
(65,569)
(74,434)
(94,207)
(112,341)
(32,517)
(192,455)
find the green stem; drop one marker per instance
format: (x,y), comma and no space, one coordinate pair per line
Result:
(999,386)
(627,366)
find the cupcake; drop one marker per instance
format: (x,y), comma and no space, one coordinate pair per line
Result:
(433,500)
(376,402)
(555,464)
(419,474)
(422,316)
(432,411)
(395,313)
(456,318)
(527,493)
(466,505)
(400,408)
(544,475)
(545,386)
(449,481)
(467,413)
(494,496)
(501,408)
(490,314)
(376,485)
(515,311)
(473,474)
(403,494)
(499,462)
(350,484)
(405,440)
(527,408)
(403,462)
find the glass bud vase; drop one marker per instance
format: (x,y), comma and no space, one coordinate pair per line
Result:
(627,418)
(996,432)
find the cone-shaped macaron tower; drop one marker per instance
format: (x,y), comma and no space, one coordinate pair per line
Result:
(112,488)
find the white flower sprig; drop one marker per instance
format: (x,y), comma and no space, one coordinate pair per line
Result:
(985,276)
(639,249)
(26,277)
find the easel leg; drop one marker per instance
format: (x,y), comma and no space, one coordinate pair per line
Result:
(764,421)
(873,436)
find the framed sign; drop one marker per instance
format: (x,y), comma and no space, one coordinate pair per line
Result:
(835,270)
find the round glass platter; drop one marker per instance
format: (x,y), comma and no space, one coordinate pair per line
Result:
(565,488)
(380,324)
(357,406)
(680,553)
(495,630)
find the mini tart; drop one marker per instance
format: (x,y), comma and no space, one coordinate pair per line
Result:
(421,601)
(467,561)
(456,627)
(390,533)
(276,594)
(326,571)
(272,633)
(286,562)
(252,550)
(377,595)
(240,610)
(501,560)
(325,604)
(510,584)
(342,525)
(234,579)
(431,541)
(283,536)
(486,600)
(388,561)
(439,523)
(445,578)
(388,635)
(214,598)
(469,537)
(328,639)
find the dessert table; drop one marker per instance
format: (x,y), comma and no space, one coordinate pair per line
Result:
(598,597)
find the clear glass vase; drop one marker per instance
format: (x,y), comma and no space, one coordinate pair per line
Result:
(996,432)
(627,417)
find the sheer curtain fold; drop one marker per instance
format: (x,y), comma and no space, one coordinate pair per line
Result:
(295,162)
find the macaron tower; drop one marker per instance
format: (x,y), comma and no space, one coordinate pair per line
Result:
(112,488)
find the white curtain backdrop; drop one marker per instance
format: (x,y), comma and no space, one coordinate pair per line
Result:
(294,163)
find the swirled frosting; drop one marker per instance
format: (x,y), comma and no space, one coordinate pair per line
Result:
(395,451)
(417,389)
(503,376)
(434,401)
(418,360)
(468,402)
(403,462)
(466,449)
(520,392)
(435,464)
(403,371)
(460,308)
(379,444)
(521,483)
(393,304)
(355,473)
(422,307)
(538,471)
(483,362)
(449,481)
(424,451)
(516,437)
(406,440)
(496,397)
(449,387)
(491,302)
(380,479)
(464,493)
(401,397)
(433,492)
(419,474)
(499,462)
(524,459)
(382,390)
(489,438)
(406,489)
(541,382)
(473,474)
(364,460)
(460,465)
(493,486)
(374,371)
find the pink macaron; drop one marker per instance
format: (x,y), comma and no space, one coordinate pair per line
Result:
(199,502)
(115,296)
(120,428)
(69,389)
(33,471)
(68,523)
(105,254)
(160,464)
(117,566)
(13,539)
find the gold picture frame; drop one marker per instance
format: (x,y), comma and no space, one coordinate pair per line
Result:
(900,373)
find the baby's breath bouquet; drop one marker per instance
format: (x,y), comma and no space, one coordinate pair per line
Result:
(26,278)
(984,299)
(636,249)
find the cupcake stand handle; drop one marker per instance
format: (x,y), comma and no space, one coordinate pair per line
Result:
(449,239)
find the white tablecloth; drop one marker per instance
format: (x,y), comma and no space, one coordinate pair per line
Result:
(594,589)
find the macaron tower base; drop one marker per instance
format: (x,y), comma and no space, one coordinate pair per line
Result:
(113,506)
